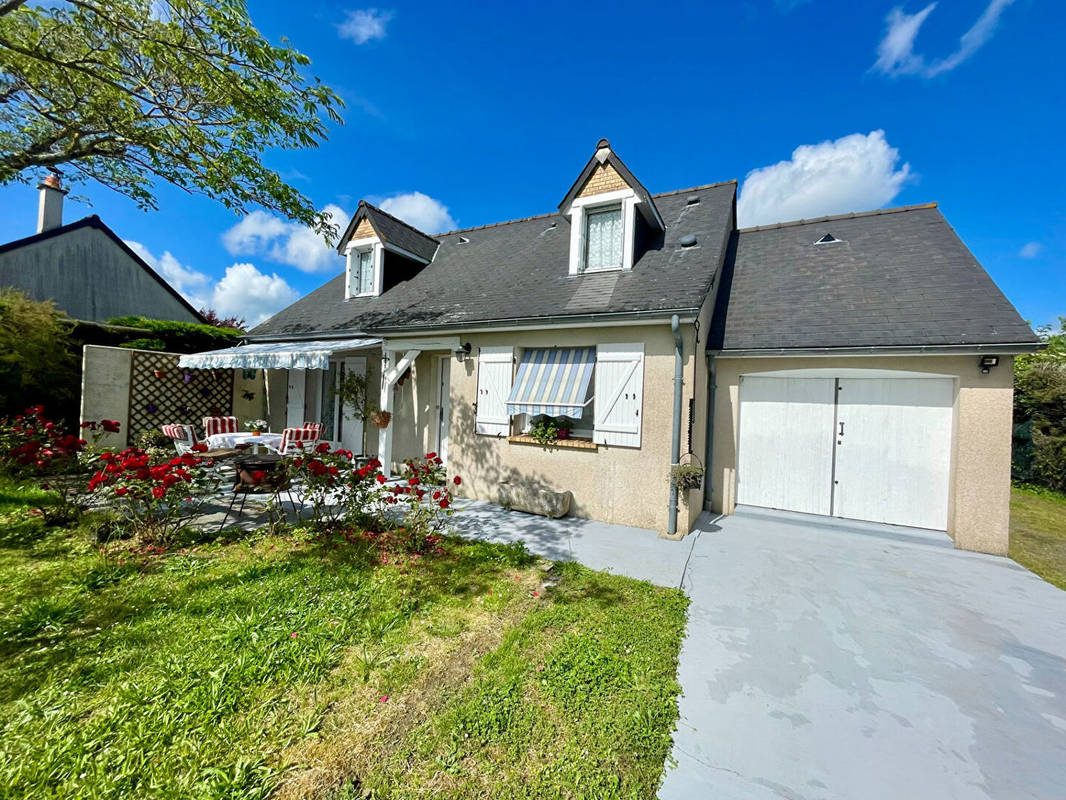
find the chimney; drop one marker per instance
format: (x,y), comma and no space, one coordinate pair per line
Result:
(50,208)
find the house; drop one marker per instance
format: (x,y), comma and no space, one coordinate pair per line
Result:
(856,366)
(86,269)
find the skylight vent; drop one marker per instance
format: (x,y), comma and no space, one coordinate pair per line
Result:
(688,240)
(828,239)
(694,200)
(463,240)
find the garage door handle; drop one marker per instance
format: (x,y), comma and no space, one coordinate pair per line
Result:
(841,429)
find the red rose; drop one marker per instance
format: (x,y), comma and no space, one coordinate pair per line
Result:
(444,503)
(431,456)
(413,482)
(380,478)
(110,425)
(158,492)
(323,447)
(199,447)
(457,480)
(122,491)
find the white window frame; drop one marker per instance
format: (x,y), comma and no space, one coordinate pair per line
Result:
(351,287)
(584,428)
(628,201)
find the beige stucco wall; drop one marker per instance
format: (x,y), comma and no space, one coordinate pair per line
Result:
(243,408)
(979,504)
(625,485)
(105,389)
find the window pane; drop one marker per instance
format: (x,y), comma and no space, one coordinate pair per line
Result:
(603,239)
(366,272)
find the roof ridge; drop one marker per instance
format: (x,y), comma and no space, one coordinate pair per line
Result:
(407,225)
(831,218)
(559,214)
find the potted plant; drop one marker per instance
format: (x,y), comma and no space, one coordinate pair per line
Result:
(159,373)
(381,418)
(544,430)
(354,393)
(686,476)
(256,426)
(563,427)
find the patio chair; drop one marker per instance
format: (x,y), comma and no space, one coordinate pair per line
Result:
(294,440)
(213,425)
(318,427)
(184,437)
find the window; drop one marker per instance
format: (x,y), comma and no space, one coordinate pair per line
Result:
(554,382)
(603,238)
(363,272)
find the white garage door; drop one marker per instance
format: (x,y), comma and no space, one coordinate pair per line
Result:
(875,449)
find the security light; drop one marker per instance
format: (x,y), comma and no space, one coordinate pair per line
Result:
(987,362)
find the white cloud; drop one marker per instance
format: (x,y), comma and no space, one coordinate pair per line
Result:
(188,282)
(260,233)
(854,173)
(895,53)
(246,292)
(364,25)
(1031,250)
(421,211)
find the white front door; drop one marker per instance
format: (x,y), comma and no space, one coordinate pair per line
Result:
(876,449)
(786,444)
(294,404)
(444,409)
(893,451)
(350,425)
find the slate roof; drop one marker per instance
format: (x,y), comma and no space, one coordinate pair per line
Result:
(392,231)
(899,278)
(519,271)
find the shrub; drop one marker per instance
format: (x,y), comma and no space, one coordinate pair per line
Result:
(179,337)
(1040,413)
(426,496)
(37,357)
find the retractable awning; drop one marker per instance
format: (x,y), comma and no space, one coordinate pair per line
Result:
(553,381)
(275,355)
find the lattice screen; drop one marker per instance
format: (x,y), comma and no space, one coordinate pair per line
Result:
(162,393)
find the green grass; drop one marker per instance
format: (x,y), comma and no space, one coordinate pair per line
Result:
(281,666)
(1038,532)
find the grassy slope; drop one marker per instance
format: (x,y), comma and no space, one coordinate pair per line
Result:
(1038,532)
(312,669)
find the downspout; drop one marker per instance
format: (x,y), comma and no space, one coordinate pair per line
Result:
(675,442)
(712,390)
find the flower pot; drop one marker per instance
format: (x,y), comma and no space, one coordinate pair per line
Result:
(256,433)
(381,418)
(563,433)
(159,373)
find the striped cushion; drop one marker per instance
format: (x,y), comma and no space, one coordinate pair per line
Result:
(213,425)
(317,427)
(184,433)
(295,438)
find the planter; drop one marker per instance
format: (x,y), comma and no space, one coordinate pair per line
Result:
(159,373)
(381,418)
(563,433)
(256,433)
(534,499)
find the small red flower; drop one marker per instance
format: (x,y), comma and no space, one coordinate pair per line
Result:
(457,480)
(384,698)
(381,479)
(158,492)
(199,447)
(444,503)
(122,491)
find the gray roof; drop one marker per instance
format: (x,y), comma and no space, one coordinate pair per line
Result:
(898,278)
(519,271)
(392,231)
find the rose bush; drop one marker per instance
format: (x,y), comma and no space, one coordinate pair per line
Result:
(156,501)
(425,495)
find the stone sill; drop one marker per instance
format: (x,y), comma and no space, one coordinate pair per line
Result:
(562,444)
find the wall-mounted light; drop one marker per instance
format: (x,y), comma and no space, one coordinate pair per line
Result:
(462,352)
(987,362)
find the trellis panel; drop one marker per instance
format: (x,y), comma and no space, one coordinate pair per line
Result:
(175,395)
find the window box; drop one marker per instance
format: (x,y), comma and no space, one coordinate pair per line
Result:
(562,444)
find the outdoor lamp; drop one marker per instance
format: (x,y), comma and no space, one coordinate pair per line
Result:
(987,362)
(462,352)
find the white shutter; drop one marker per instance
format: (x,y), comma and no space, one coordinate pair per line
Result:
(494,371)
(619,394)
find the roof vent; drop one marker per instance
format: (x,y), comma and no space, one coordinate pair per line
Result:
(828,239)
(463,240)
(693,200)
(688,240)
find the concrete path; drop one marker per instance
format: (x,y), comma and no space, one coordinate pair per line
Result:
(828,660)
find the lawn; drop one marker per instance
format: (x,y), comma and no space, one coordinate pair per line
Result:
(1038,532)
(330,667)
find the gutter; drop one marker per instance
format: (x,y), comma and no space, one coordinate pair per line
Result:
(1007,348)
(675,441)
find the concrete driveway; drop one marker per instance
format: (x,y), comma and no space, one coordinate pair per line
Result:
(827,660)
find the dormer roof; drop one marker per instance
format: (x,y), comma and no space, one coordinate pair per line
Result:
(394,233)
(606,172)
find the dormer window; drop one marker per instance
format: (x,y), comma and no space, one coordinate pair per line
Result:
(603,238)
(610,214)
(365,257)
(363,271)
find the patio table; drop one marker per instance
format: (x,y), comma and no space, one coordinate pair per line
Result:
(228,441)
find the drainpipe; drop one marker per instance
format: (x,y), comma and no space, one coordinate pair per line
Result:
(712,391)
(675,443)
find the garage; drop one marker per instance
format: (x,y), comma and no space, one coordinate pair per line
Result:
(858,444)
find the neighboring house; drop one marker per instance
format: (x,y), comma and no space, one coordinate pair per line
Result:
(856,366)
(86,269)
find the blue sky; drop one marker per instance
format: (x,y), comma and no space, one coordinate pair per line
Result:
(460,115)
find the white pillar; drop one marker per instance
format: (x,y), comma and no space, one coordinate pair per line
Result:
(389,376)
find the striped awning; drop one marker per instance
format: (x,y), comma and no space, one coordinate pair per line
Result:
(553,381)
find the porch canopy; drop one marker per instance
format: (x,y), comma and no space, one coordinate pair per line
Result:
(275,355)
(553,381)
